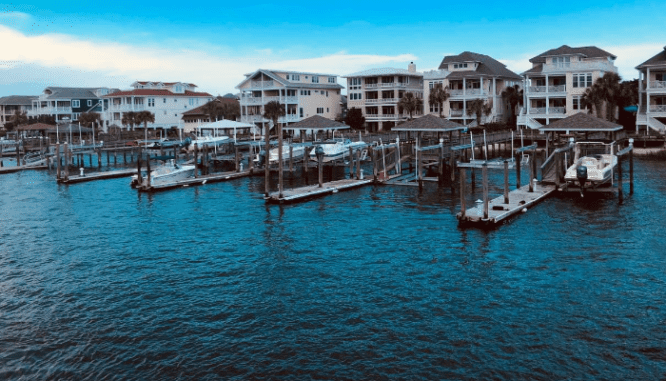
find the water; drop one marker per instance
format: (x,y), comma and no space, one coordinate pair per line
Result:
(99,282)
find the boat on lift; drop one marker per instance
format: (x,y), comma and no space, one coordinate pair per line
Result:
(335,149)
(591,170)
(168,172)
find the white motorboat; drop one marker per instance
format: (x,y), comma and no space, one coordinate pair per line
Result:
(335,149)
(297,153)
(210,141)
(169,172)
(591,170)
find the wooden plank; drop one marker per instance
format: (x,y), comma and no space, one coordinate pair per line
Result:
(201,180)
(302,193)
(98,176)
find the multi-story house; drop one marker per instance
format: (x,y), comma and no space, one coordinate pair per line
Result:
(302,94)
(555,84)
(198,116)
(377,93)
(166,100)
(652,93)
(67,103)
(11,104)
(476,76)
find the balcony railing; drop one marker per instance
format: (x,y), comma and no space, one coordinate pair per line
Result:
(549,111)
(467,92)
(382,100)
(371,85)
(457,113)
(127,107)
(576,66)
(657,85)
(258,100)
(658,108)
(547,89)
(261,83)
(252,118)
(289,118)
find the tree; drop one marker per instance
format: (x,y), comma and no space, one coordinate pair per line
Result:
(628,93)
(479,107)
(18,119)
(129,119)
(610,90)
(438,95)
(593,97)
(410,103)
(355,118)
(213,109)
(88,118)
(144,117)
(273,110)
(231,111)
(513,96)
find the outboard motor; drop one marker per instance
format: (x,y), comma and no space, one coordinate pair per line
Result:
(581,174)
(262,157)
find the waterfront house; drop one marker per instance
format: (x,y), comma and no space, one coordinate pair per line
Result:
(431,79)
(555,84)
(200,115)
(302,94)
(166,100)
(377,93)
(67,103)
(9,105)
(652,94)
(476,76)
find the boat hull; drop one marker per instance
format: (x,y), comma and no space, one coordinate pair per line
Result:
(600,170)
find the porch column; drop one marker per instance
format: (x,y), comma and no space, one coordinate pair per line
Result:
(525,97)
(647,82)
(494,98)
(547,89)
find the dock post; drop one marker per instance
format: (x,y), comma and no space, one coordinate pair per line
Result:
(196,160)
(371,151)
(442,163)
(484,172)
(517,160)
(473,178)
(620,195)
(418,161)
(398,164)
(138,169)
(148,171)
(351,162)
(124,157)
(506,181)
(58,159)
(18,155)
(108,158)
(237,158)
(115,158)
(320,158)
(67,154)
(280,161)
(99,157)
(532,170)
(631,167)
(558,169)
(250,161)
(358,164)
(463,207)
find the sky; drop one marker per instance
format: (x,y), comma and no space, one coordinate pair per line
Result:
(213,44)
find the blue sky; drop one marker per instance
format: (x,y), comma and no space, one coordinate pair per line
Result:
(76,43)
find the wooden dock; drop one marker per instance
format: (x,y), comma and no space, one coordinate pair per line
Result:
(201,180)
(498,210)
(97,176)
(303,193)
(4,170)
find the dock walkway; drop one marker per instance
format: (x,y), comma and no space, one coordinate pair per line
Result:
(302,193)
(201,180)
(498,211)
(97,176)
(4,170)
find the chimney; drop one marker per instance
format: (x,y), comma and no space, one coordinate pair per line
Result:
(411,67)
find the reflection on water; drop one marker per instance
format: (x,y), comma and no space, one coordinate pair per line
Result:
(97,282)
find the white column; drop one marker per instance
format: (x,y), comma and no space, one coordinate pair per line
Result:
(464,87)
(547,89)
(647,81)
(495,97)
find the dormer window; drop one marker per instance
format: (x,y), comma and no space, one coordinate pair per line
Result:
(460,65)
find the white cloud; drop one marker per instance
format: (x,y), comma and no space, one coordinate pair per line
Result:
(630,56)
(76,62)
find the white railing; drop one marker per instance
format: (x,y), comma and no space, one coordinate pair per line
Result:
(262,83)
(289,118)
(127,108)
(455,113)
(536,110)
(291,99)
(468,92)
(657,85)
(658,108)
(371,85)
(656,125)
(55,110)
(251,100)
(258,100)
(252,118)
(547,89)
(557,89)
(382,100)
(538,89)
(576,66)
(557,110)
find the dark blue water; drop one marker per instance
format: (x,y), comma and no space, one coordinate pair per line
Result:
(98,282)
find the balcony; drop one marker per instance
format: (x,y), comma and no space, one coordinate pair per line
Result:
(127,108)
(546,111)
(456,113)
(289,118)
(253,118)
(264,100)
(658,109)
(546,90)
(261,84)
(578,66)
(382,100)
(657,86)
(468,93)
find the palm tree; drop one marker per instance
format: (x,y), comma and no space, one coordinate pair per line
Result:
(19,118)
(145,117)
(231,111)
(410,103)
(438,95)
(593,97)
(213,109)
(479,107)
(88,118)
(273,110)
(129,119)
(610,90)
(513,96)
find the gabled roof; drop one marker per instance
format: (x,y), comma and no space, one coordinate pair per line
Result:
(165,83)
(35,127)
(316,122)
(200,110)
(17,100)
(382,71)
(289,84)
(71,92)
(156,92)
(536,69)
(488,66)
(582,122)
(658,60)
(429,122)
(585,51)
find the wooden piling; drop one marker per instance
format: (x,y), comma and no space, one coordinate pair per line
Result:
(320,159)
(358,164)
(371,152)
(484,172)
(18,154)
(148,182)
(351,162)
(620,195)
(517,160)
(398,164)
(506,181)
(115,158)
(138,169)
(66,152)
(99,157)
(267,149)
(237,158)
(631,171)
(291,158)
(250,160)
(124,157)
(280,162)
(419,169)
(442,163)
(58,160)
(196,160)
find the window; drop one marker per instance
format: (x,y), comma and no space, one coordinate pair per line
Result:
(151,102)
(75,116)
(194,101)
(76,103)
(326,93)
(331,80)
(164,99)
(315,79)
(305,92)
(576,103)
(320,110)
(301,112)
(459,66)
(659,77)
(175,100)
(354,83)
(89,103)
(327,109)
(582,79)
